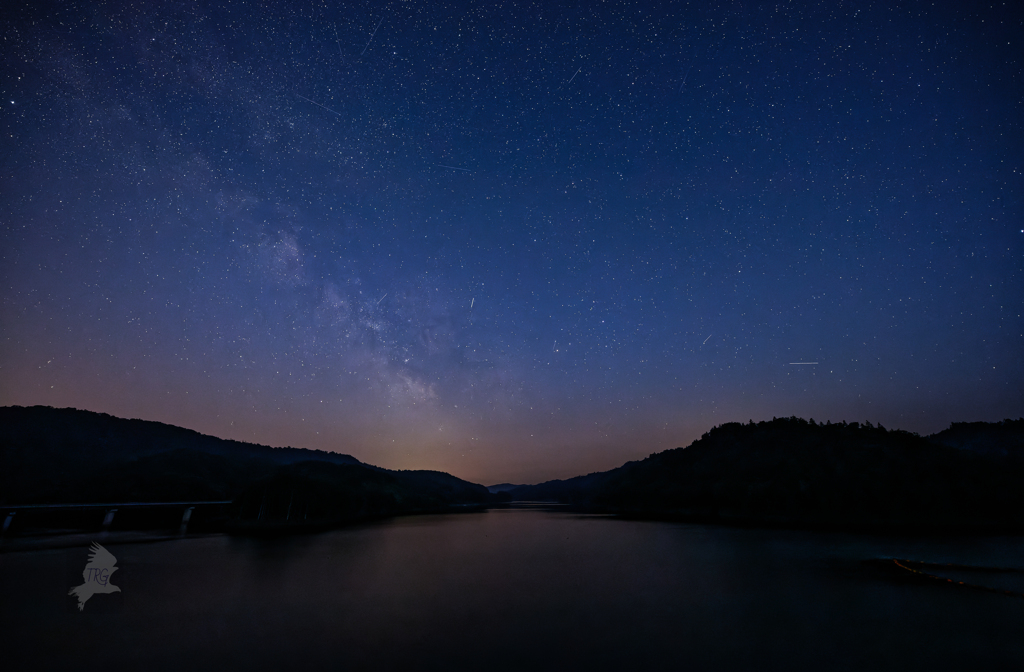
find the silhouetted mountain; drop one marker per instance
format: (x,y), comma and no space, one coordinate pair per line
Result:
(994,439)
(66,456)
(787,471)
(503,487)
(318,494)
(794,472)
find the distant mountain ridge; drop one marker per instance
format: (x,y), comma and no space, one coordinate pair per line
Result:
(791,471)
(502,487)
(1003,439)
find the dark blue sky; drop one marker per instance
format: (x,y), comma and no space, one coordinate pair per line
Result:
(512,241)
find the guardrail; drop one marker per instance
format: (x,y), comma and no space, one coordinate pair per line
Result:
(27,518)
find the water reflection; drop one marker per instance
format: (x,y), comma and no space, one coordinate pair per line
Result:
(518,589)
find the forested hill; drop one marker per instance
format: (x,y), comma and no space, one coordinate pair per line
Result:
(50,455)
(795,472)
(75,436)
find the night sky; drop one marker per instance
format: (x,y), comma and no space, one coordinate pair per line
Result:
(513,241)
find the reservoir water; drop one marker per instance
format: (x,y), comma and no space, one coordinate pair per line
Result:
(516,589)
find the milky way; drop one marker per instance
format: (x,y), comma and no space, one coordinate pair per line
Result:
(512,241)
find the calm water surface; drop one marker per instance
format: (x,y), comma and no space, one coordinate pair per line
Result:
(514,589)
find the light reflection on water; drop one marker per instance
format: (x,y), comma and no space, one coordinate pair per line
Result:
(515,589)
